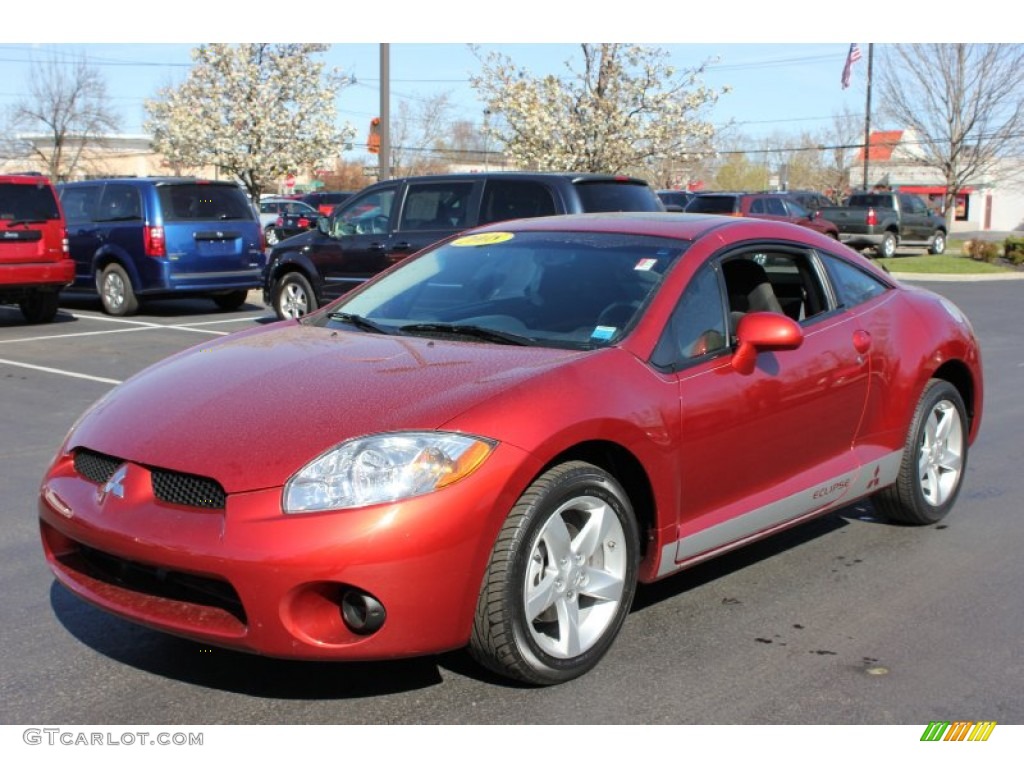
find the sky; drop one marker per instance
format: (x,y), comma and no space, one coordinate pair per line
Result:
(784,72)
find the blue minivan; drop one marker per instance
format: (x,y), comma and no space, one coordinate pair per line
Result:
(162,237)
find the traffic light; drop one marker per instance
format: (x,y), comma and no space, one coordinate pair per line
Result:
(373,140)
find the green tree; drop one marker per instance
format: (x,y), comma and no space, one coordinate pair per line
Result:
(258,111)
(625,111)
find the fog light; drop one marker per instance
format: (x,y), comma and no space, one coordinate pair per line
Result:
(363,614)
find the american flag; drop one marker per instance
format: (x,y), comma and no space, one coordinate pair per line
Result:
(851,57)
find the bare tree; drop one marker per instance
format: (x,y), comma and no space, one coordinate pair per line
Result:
(841,140)
(964,101)
(417,132)
(68,103)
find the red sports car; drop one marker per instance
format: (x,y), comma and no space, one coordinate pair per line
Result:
(491,444)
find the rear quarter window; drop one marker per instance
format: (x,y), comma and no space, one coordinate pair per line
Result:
(203,202)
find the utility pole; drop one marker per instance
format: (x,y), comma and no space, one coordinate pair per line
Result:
(867,117)
(384,157)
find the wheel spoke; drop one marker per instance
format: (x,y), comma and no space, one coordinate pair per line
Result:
(589,539)
(943,423)
(602,585)
(568,628)
(556,538)
(542,596)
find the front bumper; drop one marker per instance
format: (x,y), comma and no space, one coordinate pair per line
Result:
(251,578)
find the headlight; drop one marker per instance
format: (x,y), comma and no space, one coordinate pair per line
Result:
(382,468)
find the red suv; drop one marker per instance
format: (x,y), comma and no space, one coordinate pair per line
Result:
(34,259)
(760,206)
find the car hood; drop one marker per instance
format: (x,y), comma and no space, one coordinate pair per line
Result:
(251,409)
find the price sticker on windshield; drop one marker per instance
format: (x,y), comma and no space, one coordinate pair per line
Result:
(483,238)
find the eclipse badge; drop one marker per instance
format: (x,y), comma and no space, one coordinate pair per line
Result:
(114,485)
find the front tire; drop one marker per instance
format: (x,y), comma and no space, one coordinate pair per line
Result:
(561,578)
(934,460)
(270,234)
(938,245)
(116,292)
(40,307)
(887,248)
(293,296)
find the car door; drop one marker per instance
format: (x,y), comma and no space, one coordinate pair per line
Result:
(915,219)
(760,448)
(357,247)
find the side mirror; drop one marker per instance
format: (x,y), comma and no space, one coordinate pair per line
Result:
(761,332)
(323,225)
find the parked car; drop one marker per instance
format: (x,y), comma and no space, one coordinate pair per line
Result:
(157,237)
(764,205)
(291,223)
(675,199)
(34,260)
(492,444)
(885,221)
(282,217)
(325,202)
(388,221)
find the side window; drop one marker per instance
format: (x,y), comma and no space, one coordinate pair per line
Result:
(697,325)
(912,204)
(79,203)
(436,206)
(505,200)
(853,286)
(119,202)
(366,215)
(757,206)
(783,281)
(775,206)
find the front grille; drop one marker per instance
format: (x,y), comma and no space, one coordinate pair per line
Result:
(158,582)
(168,486)
(188,490)
(95,466)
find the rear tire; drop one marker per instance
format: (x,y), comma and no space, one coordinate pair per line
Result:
(934,460)
(116,292)
(561,578)
(271,236)
(40,307)
(887,248)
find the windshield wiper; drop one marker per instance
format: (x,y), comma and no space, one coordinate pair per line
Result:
(475,331)
(359,322)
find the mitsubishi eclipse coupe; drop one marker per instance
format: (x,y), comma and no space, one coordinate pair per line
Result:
(492,443)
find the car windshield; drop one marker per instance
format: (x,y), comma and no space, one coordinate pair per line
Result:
(577,290)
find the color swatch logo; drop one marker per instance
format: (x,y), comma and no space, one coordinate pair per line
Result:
(960,730)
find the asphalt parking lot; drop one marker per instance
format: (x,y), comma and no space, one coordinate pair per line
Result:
(843,620)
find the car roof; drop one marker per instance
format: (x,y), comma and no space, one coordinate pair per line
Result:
(524,175)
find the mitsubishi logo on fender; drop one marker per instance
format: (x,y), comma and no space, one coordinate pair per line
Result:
(114,485)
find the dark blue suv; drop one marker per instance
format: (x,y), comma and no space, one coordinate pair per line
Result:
(168,237)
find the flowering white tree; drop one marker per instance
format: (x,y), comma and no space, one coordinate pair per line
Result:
(259,111)
(627,111)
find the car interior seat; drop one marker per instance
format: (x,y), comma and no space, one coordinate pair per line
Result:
(749,290)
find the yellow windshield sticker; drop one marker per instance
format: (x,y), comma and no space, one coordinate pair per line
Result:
(483,238)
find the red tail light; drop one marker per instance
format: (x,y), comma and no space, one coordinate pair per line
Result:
(303,223)
(153,241)
(279,222)
(872,219)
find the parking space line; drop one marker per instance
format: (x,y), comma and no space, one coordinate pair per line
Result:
(58,371)
(73,335)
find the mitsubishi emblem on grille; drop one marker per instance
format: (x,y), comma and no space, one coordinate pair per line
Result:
(114,485)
